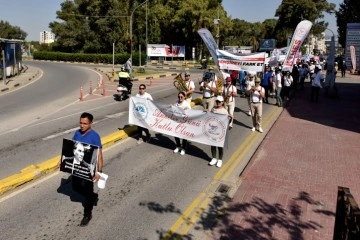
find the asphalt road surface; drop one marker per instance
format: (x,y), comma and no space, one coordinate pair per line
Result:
(149,187)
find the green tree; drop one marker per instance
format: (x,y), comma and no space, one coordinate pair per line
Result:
(348,13)
(91,26)
(11,32)
(291,12)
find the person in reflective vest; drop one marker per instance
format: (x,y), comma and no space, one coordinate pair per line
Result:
(124,79)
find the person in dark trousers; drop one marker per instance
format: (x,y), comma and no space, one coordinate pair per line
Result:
(316,85)
(295,75)
(343,69)
(266,83)
(143,94)
(85,187)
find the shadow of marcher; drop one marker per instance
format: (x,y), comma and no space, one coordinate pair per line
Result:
(66,189)
(169,143)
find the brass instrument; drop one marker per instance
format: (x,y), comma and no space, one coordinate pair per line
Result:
(180,84)
(227,98)
(219,84)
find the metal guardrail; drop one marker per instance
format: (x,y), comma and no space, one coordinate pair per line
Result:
(347,220)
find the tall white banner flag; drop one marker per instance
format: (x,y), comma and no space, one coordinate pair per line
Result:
(353,57)
(301,32)
(210,43)
(193,125)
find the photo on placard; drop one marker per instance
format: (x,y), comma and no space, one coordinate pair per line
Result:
(79,159)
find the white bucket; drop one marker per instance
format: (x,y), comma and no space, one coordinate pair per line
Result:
(102,181)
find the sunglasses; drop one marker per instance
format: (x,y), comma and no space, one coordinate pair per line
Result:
(180,97)
(141,88)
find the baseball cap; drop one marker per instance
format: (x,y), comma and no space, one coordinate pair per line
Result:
(257,80)
(211,68)
(219,98)
(187,74)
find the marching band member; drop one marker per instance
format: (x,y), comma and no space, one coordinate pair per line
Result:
(190,86)
(208,87)
(182,103)
(229,94)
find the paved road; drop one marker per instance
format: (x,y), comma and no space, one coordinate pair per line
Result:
(148,181)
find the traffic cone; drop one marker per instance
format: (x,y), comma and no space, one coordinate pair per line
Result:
(81,93)
(90,91)
(103,84)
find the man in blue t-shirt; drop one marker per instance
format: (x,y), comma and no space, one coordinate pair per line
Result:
(84,187)
(266,82)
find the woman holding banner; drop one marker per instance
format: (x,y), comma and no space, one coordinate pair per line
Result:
(181,103)
(219,109)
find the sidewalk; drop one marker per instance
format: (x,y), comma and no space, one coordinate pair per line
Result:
(27,75)
(289,189)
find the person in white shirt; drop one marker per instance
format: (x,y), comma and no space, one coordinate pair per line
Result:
(190,85)
(311,70)
(316,85)
(257,94)
(208,87)
(143,94)
(278,77)
(229,94)
(249,82)
(219,109)
(288,80)
(182,103)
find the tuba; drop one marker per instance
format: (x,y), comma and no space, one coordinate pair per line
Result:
(180,84)
(219,84)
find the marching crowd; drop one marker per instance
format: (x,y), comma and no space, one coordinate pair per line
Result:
(220,92)
(219,95)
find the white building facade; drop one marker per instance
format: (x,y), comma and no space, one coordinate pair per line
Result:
(46,37)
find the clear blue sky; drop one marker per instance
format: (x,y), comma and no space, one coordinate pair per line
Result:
(34,16)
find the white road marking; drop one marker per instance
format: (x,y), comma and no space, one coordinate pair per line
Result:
(35,182)
(116,115)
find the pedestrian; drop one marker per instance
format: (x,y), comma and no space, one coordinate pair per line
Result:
(266,83)
(303,72)
(143,94)
(85,187)
(208,87)
(278,78)
(234,77)
(229,94)
(343,69)
(316,85)
(249,82)
(190,86)
(219,109)
(242,83)
(295,75)
(311,68)
(257,94)
(128,66)
(288,81)
(181,103)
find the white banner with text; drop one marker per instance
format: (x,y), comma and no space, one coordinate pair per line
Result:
(252,62)
(193,125)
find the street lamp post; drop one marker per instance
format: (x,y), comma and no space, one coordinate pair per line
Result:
(131,23)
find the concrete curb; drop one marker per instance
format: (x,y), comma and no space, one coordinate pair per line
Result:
(34,172)
(22,82)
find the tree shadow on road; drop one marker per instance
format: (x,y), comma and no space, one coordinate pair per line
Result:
(253,220)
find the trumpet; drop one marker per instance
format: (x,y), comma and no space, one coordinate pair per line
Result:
(180,85)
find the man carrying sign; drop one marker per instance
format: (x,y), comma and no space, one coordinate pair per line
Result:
(81,185)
